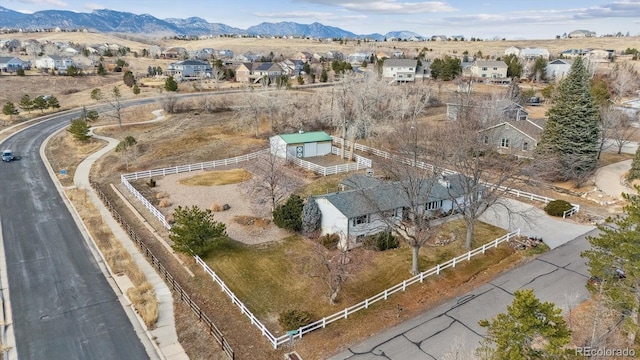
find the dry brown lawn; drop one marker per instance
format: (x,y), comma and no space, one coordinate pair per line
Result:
(215,178)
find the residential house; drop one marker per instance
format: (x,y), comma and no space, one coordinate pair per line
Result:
(69,51)
(534,53)
(400,70)
(224,54)
(303,56)
(301,145)
(264,70)
(190,69)
(357,58)
(439,38)
(457,37)
(512,50)
(382,55)
(203,54)
(518,138)
(573,53)
(291,67)
(174,53)
(490,111)
(244,72)
(54,62)
(12,64)
(600,54)
(371,205)
(424,71)
(399,54)
(581,34)
(490,70)
(557,69)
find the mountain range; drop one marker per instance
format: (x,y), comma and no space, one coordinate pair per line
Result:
(124,22)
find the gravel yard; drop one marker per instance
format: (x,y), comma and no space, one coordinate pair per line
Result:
(233,195)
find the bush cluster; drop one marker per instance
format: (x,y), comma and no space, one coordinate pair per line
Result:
(294,319)
(381,241)
(329,241)
(557,207)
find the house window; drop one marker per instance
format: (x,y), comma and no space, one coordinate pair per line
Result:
(434,205)
(525,146)
(410,68)
(360,220)
(484,75)
(408,75)
(504,143)
(495,68)
(486,140)
(484,69)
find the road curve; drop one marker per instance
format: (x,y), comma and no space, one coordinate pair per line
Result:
(62,305)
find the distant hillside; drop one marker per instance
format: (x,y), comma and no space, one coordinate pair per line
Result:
(124,22)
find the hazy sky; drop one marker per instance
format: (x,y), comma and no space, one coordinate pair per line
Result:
(512,19)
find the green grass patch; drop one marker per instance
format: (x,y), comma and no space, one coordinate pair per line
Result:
(274,278)
(324,185)
(215,178)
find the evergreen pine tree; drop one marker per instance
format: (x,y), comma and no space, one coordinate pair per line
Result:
(9,109)
(26,103)
(571,132)
(634,173)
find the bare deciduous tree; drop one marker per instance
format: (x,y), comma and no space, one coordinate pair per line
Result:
(272,181)
(332,267)
(466,151)
(250,110)
(625,78)
(114,99)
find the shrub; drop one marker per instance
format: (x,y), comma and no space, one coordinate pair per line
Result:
(151,183)
(162,194)
(329,241)
(164,203)
(557,207)
(289,215)
(294,319)
(215,207)
(381,241)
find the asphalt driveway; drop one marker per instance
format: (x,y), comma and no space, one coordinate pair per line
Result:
(512,214)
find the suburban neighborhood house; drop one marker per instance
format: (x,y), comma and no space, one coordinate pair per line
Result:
(527,53)
(581,34)
(54,62)
(558,69)
(190,69)
(490,111)
(12,64)
(518,138)
(400,70)
(490,70)
(255,72)
(371,205)
(301,145)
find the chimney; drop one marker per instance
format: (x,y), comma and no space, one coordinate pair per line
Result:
(300,131)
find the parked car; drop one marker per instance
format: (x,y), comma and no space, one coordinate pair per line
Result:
(7,155)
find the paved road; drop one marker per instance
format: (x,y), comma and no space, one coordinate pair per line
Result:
(558,276)
(61,303)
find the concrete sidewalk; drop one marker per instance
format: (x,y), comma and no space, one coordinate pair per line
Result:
(164,336)
(609,179)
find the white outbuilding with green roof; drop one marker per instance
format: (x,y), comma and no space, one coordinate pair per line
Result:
(301,144)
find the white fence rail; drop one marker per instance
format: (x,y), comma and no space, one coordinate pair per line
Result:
(155,212)
(343,314)
(359,159)
(193,167)
(422,165)
(331,170)
(124,178)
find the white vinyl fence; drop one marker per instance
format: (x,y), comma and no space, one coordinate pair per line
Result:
(343,314)
(422,165)
(330,170)
(193,167)
(124,178)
